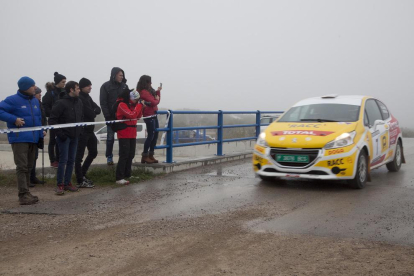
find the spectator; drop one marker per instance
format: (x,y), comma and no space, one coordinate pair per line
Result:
(68,109)
(87,139)
(33,179)
(23,111)
(109,93)
(127,108)
(52,95)
(148,94)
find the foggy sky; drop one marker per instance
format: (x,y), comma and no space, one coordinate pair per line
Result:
(210,55)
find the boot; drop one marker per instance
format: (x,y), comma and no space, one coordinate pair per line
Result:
(151,156)
(27,199)
(145,159)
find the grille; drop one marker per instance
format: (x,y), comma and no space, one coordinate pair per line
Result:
(312,153)
(310,172)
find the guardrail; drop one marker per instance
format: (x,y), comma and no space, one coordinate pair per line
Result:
(169,146)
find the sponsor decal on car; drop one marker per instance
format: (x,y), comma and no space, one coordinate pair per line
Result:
(302,132)
(305,125)
(335,162)
(260,149)
(335,151)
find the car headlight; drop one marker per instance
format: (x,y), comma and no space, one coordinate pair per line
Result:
(342,140)
(261,141)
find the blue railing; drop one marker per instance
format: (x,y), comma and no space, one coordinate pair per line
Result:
(170,129)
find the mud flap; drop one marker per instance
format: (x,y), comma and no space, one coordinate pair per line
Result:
(369,170)
(402,154)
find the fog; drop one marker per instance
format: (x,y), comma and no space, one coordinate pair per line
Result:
(210,55)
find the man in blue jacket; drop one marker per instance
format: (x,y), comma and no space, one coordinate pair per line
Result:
(22,110)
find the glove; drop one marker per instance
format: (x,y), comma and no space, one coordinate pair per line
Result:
(62,136)
(41,143)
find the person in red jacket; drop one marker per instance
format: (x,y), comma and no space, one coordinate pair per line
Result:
(128,108)
(152,97)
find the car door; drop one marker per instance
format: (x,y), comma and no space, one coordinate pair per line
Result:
(387,119)
(378,130)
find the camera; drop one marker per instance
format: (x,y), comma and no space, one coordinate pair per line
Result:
(141,101)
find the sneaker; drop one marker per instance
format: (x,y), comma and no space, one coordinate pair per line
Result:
(70,188)
(85,184)
(54,164)
(88,180)
(122,182)
(60,190)
(109,160)
(36,181)
(27,199)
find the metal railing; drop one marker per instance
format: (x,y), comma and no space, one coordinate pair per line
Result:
(169,145)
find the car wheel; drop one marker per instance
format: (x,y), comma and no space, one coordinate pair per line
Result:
(361,175)
(395,165)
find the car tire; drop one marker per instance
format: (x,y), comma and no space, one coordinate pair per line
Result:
(395,165)
(361,175)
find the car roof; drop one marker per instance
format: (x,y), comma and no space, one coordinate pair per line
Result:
(334,99)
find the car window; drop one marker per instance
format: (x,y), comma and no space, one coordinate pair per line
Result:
(139,128)
(373,111)
(366,122)
(333,112)
(102,131)
(384,110)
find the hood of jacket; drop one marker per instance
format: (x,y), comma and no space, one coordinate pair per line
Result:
(115,71)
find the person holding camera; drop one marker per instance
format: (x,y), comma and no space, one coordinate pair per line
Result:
(22,110)
(148,94)
(127,107)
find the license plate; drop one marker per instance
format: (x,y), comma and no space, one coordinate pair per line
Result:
(292,158)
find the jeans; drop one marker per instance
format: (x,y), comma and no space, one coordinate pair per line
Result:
(33,171)
(67,153)
(86,140)
(53,148)
(24,155)
(110,138)
(151,141)
(126,155)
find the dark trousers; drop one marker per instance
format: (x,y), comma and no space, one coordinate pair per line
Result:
(151,141)
(67,153)
(24,155)
(86,140)
(126,155)
(110,139)
(33,171)
(53,148)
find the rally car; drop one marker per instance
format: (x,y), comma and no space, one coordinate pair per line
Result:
(330,137)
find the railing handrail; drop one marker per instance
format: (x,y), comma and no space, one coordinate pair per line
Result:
(220,127)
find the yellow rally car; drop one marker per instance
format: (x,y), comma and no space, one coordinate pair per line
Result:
(330,137)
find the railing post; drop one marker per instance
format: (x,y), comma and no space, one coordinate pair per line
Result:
(220,133)
(258,123)
(170,138)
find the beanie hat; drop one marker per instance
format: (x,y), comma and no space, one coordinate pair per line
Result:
(38,90)
(84,82)
(58,77)
(25,83)
(133,95)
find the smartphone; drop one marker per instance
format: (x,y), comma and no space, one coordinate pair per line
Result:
(161,84)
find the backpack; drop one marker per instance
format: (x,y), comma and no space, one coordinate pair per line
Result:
(119,125)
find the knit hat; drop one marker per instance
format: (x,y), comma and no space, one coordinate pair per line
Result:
(38,90)
(25,83)
(134,95)
(84,82)
(58,77)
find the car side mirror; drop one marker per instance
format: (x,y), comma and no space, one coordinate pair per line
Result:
(378,123)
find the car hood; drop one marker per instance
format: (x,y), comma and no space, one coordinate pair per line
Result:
(305,135)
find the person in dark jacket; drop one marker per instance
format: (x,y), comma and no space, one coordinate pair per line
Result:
(87,139)
(68,109)
(110,91)
(22,110)
(128,108)
(148,94)
(33,179)
(49,99)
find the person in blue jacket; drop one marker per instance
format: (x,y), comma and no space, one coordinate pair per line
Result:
(22,110)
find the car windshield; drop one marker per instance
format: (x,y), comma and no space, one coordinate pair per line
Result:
(322,113)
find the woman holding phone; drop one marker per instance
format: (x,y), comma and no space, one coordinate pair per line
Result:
(152,99)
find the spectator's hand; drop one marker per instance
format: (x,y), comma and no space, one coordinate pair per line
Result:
(44,133)
(157,97)
(19,122)
(159,88)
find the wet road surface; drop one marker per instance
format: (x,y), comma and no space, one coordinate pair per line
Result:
(383,211)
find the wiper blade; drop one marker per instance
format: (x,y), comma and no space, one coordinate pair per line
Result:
(317,120)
